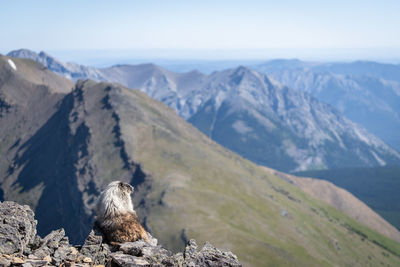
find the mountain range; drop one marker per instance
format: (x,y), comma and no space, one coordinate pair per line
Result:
(249,113)
(61,143)
(367,93)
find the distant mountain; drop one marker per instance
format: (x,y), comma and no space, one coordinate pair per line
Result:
(389,72)
(60,147)
(368,93)
(264,122)
(261,120)
(282,128)
(69,70)
(384,71)
(177,90)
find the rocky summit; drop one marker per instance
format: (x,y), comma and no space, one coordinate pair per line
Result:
(20,246)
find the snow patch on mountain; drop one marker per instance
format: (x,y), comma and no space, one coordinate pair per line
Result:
(12,64)
(378,159)
(241,127)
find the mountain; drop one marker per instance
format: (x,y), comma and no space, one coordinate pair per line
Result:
(257,118)
(378,187)
(177,90)
(261,120)
(186,185)
(283,128)
(71,71)
(368,93)
(390,72)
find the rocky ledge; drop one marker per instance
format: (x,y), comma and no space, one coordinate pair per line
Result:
(21,246)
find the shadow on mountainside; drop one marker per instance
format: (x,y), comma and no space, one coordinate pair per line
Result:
(49,157)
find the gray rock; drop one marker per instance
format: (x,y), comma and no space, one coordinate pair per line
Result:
(9,240)
(57,246)
(5,262)
(60,255)
(208,256)
(17,228)
(95,248)
(55,250)
(177,260)
(36,262)
(133,248)
(53,239)
(153,241)
(130,252)
(191,253)
(129,260)
(50,243)
(155,255)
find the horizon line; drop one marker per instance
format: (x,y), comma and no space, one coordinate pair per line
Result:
(382,55)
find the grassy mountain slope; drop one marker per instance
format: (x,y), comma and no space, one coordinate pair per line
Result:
(343,201)
(195,188)
(246,112)
(377,187)
(29,95)
(187,186)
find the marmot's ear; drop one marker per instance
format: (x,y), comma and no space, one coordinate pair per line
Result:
(131,188)
(126,186)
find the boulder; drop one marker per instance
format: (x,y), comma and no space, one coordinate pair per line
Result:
(17,228)
(95,248)
(208,256)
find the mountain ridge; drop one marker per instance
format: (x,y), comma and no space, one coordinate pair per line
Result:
(186,185)
(366,92)
(319,138)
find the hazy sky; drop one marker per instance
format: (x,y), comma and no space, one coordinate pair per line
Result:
(226,28)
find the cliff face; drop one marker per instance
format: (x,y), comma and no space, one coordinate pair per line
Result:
(19,245)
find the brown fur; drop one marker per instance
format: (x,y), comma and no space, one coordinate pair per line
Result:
(125,227)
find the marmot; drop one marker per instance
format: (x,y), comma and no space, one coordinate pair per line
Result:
(116,218)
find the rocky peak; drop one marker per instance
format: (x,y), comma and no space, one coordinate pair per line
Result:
(19,245)
(241,70)
(237,74)
(24,53)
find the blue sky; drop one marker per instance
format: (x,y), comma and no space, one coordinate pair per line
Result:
(226,29)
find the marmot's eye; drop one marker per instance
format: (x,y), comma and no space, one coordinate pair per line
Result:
(129,187)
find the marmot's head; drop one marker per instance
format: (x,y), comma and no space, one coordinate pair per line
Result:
(114,200)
